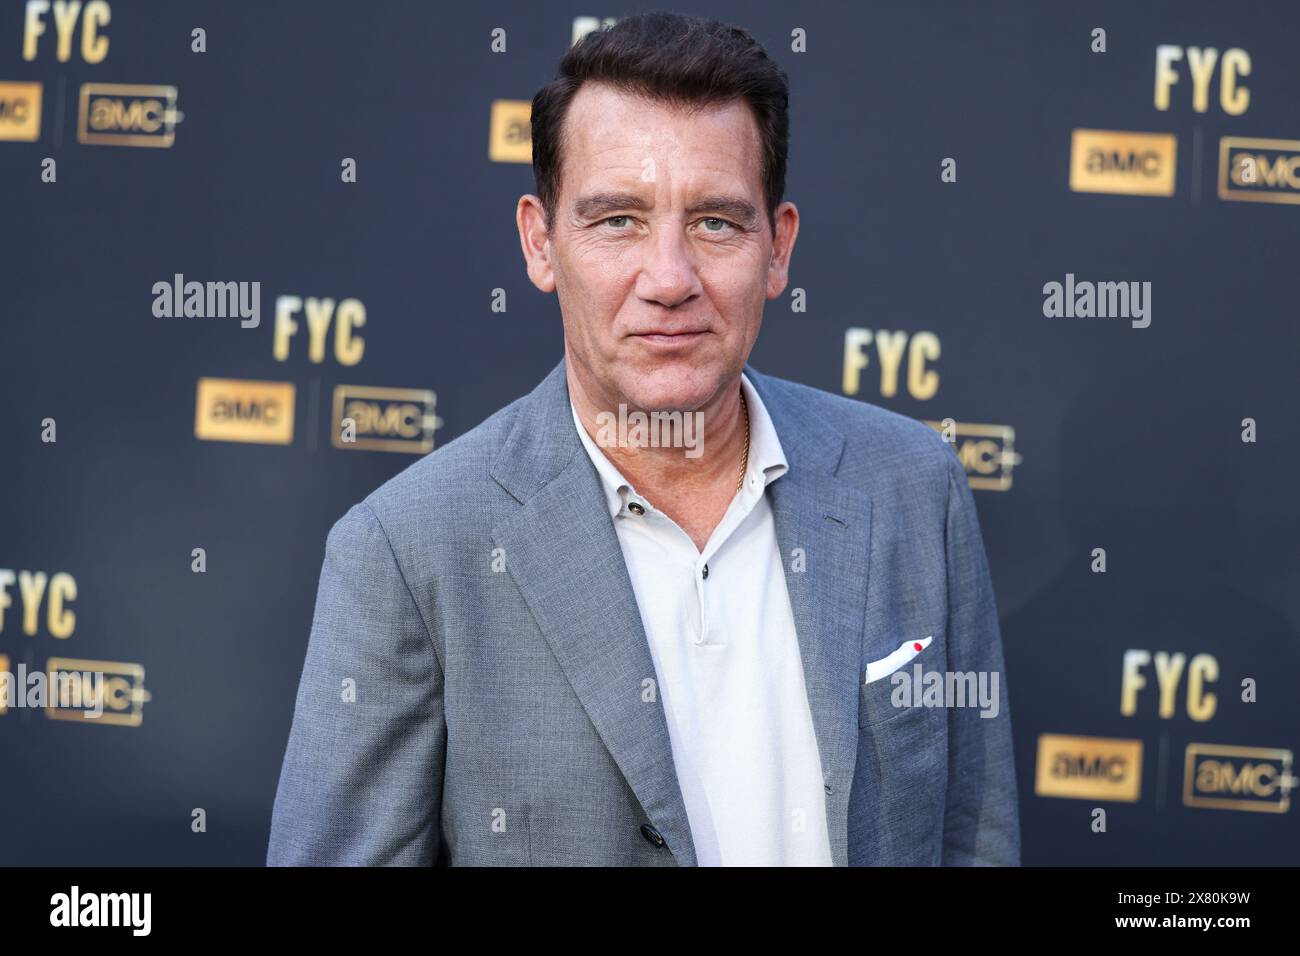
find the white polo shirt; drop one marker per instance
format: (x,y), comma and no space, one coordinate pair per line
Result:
(730,677)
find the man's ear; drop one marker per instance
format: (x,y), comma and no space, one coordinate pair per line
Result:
(787,228)
(530,217)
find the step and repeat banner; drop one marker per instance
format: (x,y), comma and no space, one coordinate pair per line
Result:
(255,259)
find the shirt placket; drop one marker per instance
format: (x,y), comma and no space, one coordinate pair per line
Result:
(735,516)
(702,599)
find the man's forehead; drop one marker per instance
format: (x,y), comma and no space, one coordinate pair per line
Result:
(607,129)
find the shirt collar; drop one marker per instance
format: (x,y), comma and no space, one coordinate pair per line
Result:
(767,461)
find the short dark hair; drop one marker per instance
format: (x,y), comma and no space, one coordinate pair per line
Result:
(675,59)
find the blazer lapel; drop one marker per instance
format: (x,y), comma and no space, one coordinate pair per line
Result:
(829,520)
(563,553)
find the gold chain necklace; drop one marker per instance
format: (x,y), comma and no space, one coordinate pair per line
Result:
(744,465)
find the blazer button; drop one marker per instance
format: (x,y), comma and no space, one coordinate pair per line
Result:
(652,835)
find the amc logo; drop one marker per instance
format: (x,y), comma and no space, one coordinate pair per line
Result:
(1238,778)
(119,114)
(384,419)
(120,694)
(987,452)
(1131,164)
(1259,170)
(510,133)
(231,409)
(1088,768)
(20,111)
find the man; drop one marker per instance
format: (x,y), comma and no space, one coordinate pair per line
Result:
(558,640)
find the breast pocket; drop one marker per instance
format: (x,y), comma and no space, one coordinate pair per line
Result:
(903,766)
(877,703)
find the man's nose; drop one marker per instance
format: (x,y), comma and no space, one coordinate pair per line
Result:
(668,272)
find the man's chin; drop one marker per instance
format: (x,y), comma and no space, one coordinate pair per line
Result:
(667,390)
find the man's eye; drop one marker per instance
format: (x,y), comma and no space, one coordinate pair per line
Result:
(617,221)
(714,224)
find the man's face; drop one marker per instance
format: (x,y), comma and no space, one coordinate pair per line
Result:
(660,248)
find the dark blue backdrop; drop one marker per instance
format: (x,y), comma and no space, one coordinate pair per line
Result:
(1127,439)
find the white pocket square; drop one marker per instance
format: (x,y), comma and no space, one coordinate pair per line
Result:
(887,665)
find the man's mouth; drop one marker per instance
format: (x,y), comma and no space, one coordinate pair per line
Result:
(685,337)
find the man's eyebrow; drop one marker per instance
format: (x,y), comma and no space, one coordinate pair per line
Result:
(741,210)
(599,204)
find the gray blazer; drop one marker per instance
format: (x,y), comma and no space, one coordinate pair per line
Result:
(473,685)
